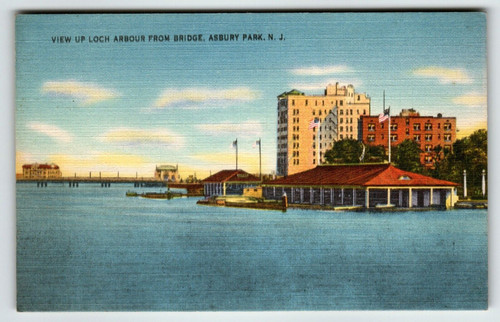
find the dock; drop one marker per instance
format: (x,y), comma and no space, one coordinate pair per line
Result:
(193,189)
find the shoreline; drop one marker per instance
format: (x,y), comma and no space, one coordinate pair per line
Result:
(278,205)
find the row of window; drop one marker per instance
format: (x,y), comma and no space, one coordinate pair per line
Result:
(416,137)
(341,112)
(416,126)
(306,102)
(347,129)
(347,120)
(319,112)
(371,137)
(321,137)
(321,145)
(350,112)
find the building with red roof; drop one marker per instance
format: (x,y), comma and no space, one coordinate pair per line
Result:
(362,185)
(229,182)
(41,171)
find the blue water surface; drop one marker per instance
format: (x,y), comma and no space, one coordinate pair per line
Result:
(92,248)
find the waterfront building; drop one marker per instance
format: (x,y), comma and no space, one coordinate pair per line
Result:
(362,186)
(435,135)
(167,173)
(229,182)
(41,171)
(255,192)
(337,111)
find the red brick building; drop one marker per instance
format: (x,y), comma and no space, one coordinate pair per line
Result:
(428,131)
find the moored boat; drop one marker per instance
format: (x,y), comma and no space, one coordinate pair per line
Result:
(161,195)
(385,206)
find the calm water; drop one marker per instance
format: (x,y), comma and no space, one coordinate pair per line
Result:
(91,248)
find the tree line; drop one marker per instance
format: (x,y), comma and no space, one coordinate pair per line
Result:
(469,153)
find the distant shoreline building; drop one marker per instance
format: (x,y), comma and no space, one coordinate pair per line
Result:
(435,135)
(338,112)
(41,171)
(167,173)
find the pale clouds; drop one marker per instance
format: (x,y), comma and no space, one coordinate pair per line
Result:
(242,129)
(51,131)
(85,93)
(98,159)
(107,164)
(199,97)
(321,70)
(133,136)
(322,84)
(472,99)
(444,75)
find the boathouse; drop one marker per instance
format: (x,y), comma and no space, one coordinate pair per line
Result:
(229,182)
(362,186)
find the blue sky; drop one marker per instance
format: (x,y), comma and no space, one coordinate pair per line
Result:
(127,106)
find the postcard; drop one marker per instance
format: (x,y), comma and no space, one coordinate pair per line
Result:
(261,161)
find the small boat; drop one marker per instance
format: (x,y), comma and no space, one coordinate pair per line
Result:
(160,195)
(131,194)
(385,206)
(357,207)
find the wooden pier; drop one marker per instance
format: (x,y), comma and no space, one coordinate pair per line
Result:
(106,182)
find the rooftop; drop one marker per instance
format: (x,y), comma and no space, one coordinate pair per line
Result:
(40,166)
(367,175)
(232,176)
(292,92)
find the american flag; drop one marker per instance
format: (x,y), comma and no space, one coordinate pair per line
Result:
(314,123)
(383,116)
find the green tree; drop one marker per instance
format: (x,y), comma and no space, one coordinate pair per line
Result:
(375,153)
(406,156)
(351,151)
(344,151)
(469,153)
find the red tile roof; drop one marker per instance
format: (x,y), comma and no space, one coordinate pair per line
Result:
(232,176)
(40,166)
(367,175)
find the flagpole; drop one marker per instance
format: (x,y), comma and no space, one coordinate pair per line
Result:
(389,125)
(383,104)
(260,160)
(317,140)
(236,141)
(389,134)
